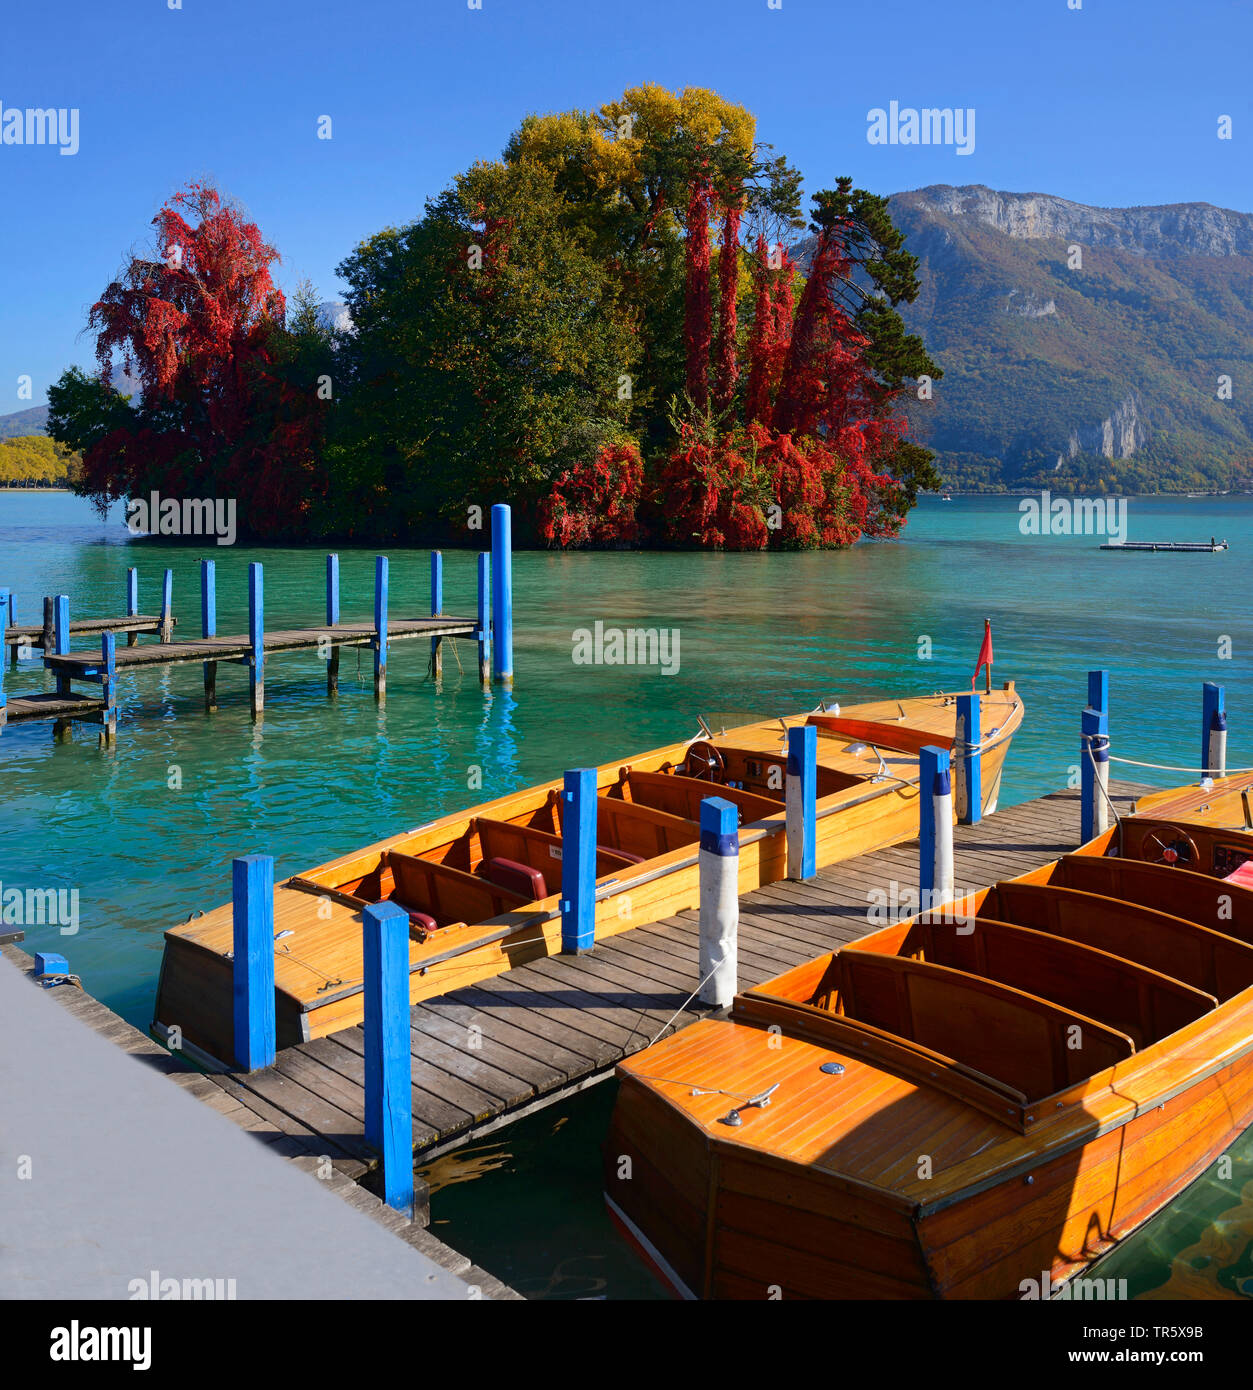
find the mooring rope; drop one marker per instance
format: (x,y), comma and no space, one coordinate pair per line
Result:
(1170,767)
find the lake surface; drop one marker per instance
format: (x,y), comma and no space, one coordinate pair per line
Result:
(146,832)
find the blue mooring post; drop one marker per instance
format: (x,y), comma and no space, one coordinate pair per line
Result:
(380,627)
(256,636)
(1098,690)
(935,827)
(502,595)
(209,627)
(108,682)
(484,633)
(388,1081)
(61,629)
(1093,774)
(578,861)
(167,606)
(252,895)
(5,613)
(968,759)
(719,901)
(437,607)
(801,798)
(1213,731)
(332,620)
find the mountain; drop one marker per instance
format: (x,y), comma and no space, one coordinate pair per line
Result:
(1082,346)
(24,422)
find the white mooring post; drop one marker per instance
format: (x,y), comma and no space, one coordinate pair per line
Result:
(1213,731)
(719,901)
(935,827)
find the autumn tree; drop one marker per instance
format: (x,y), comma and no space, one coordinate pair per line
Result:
(228,402)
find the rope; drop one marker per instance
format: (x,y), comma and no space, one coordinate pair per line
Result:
(681,1007)
(1088,741)
(1169,767)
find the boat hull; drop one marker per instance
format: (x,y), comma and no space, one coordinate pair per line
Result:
(715,1219)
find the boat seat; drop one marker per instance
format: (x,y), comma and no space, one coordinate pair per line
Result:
(518,878)
(421,924)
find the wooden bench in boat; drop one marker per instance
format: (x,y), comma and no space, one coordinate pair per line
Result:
(487,842)
(625,828)
(1207,960)
(1196,897)
(449,896)
(762,773)
(681,796)
(1017,1037)
(1123,994)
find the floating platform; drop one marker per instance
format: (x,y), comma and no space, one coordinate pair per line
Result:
(1184,547)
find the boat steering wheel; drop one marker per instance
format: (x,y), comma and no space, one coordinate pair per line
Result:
(704,761)
(1169,845)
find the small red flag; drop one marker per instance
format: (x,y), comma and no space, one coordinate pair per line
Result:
(985,655)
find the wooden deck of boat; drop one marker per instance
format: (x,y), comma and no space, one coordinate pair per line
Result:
(485,1055)
(238,648)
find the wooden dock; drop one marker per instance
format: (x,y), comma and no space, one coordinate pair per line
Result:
(221,1199)
(484,1055)
(34,635)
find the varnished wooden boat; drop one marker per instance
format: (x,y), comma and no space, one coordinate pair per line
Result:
(973,1103)
(482,886)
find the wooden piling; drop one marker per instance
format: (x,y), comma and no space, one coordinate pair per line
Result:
(502,595)
(132,602)
(252,895)
(968,772)
(256,636)
(801,801)
(167,606)
(483,630)
(935,826)
(578,861)
(719,901)
(1213,730)
(437,607)
(108,683)
(332,620)
(209,628)
(380,627)
(388,1080)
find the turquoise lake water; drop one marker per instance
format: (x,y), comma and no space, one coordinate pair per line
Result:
(759,635)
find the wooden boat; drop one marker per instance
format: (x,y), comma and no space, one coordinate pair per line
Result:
(482,887)
(973,1103)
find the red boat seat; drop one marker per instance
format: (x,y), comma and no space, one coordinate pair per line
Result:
(1242,877)
(421,922)
(518,878)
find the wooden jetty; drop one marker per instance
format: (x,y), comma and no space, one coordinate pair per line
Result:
(491,628)
(229,1213)
(484,1055)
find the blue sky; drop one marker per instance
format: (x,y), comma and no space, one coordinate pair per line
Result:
(1115,103)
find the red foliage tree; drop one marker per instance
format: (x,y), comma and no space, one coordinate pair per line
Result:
(727,368)
(697,323)
(198,325)
(596,503)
